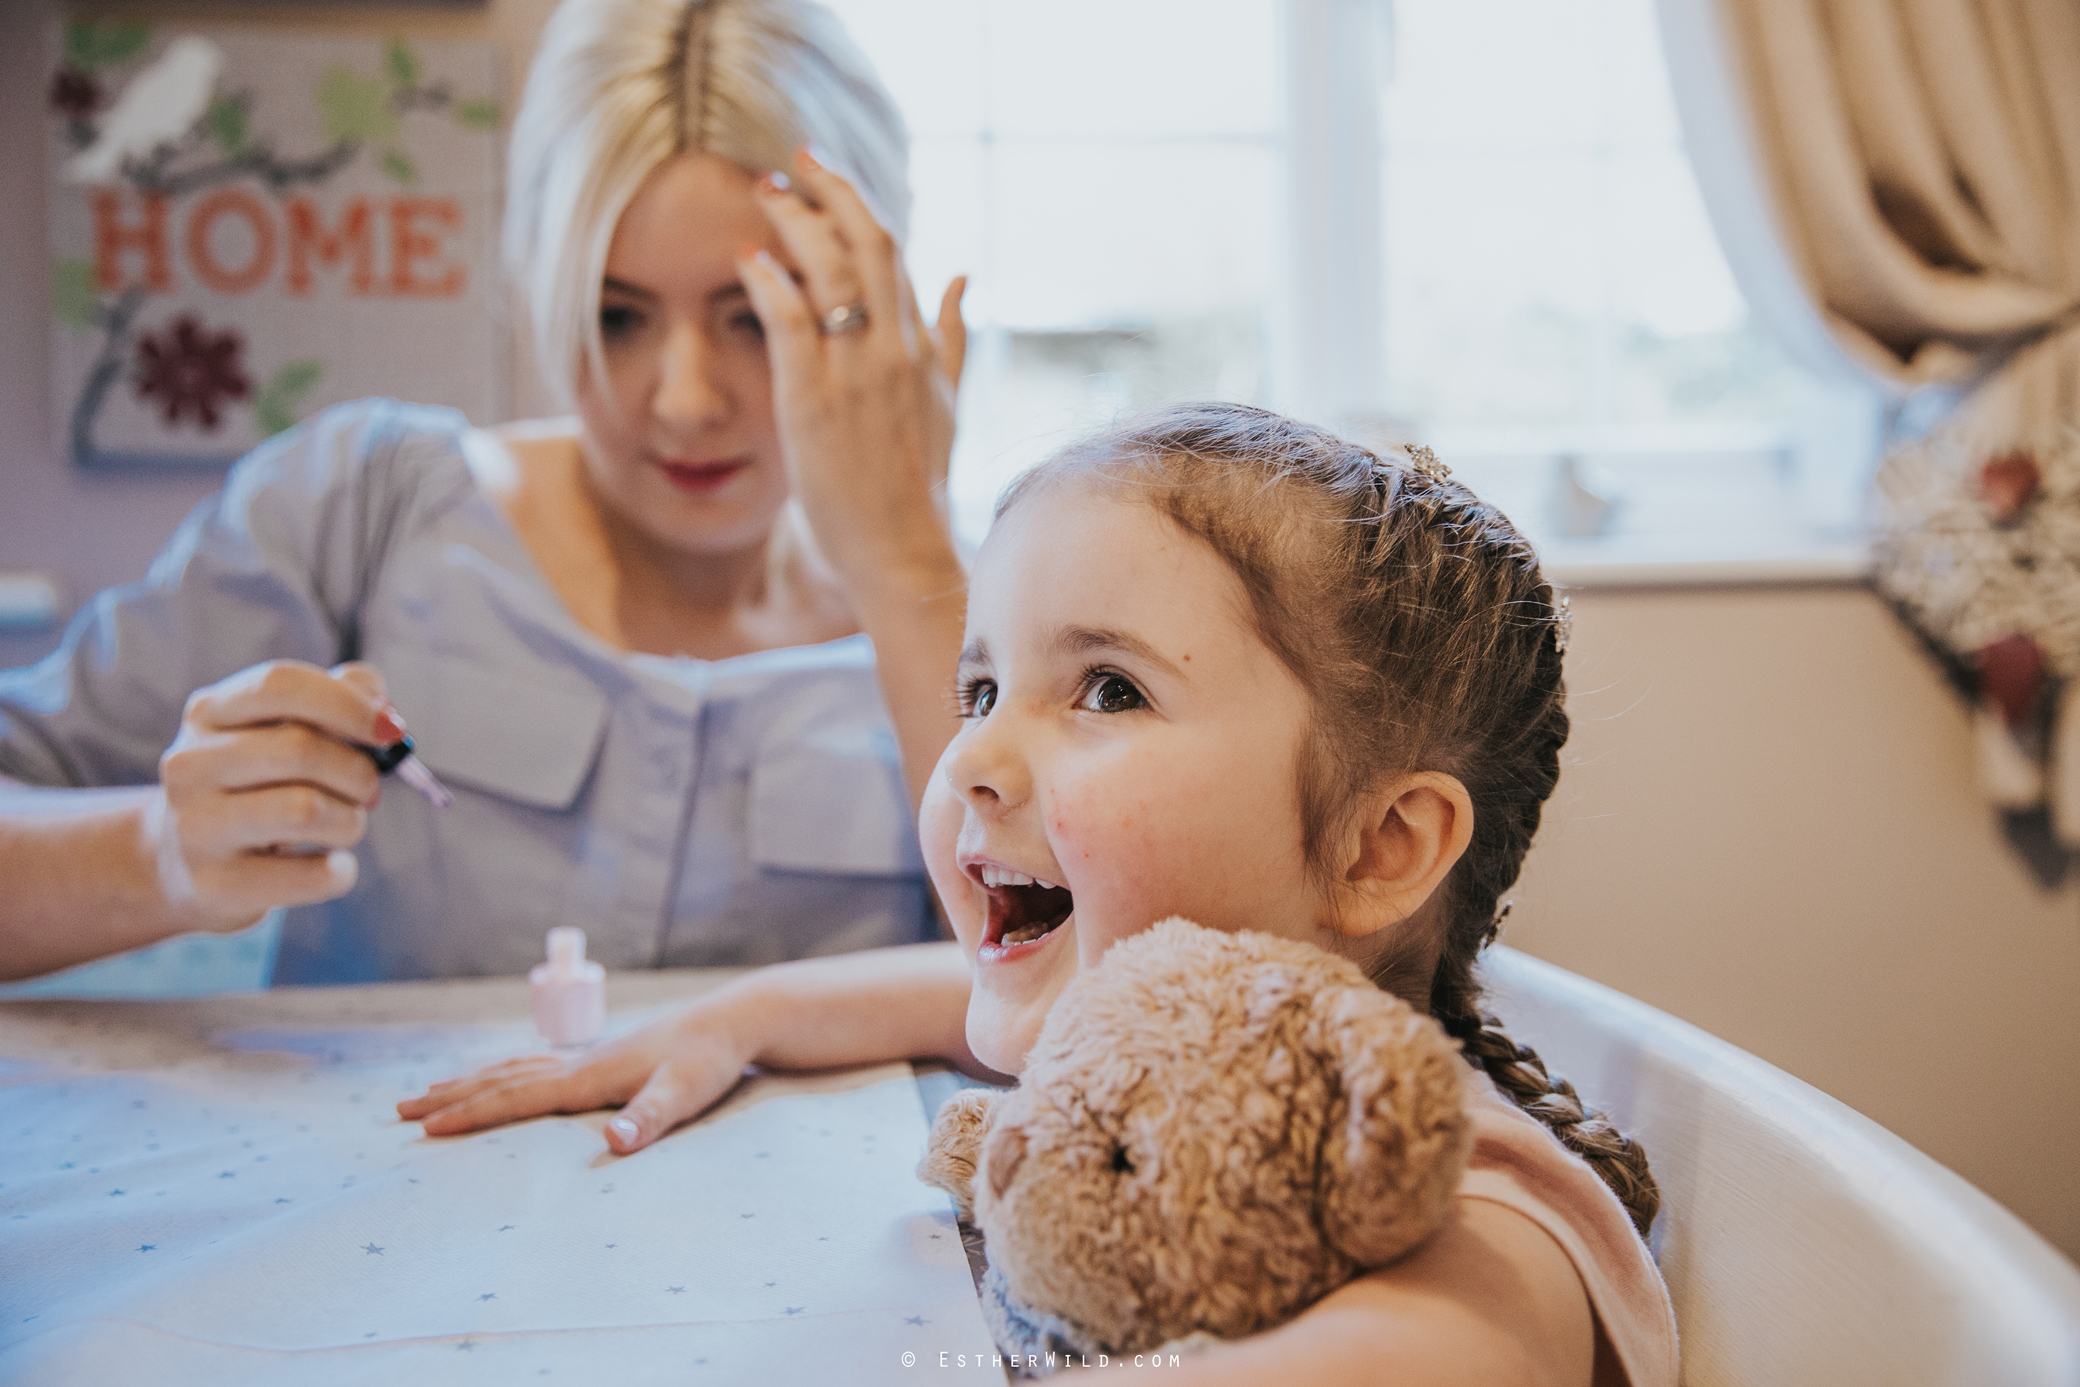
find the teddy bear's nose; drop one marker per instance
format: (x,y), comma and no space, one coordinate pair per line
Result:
(1003,1155)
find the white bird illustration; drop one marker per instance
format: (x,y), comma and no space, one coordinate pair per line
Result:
(160,105)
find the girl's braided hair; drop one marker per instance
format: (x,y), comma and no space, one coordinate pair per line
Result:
(1417,617)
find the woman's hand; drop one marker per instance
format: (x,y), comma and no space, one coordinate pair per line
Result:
(865,416)
(865,413)
(661,1075)
(266,789)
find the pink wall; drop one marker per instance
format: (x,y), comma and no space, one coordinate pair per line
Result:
(91,531)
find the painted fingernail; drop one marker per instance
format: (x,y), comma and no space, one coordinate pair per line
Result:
(806,156)
(774,181)
(389,726)
(624,1129)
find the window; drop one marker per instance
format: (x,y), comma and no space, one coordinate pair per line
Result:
(1554,289)
(1107,171)
(1540,282)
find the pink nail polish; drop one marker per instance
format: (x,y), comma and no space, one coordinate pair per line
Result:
(569,994)
(775,182)
(624,1129)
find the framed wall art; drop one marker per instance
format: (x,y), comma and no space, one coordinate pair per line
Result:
(247,225)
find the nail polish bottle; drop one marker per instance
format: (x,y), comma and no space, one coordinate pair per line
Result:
(570,1001)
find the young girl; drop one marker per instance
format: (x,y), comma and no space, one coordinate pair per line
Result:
(1226,666)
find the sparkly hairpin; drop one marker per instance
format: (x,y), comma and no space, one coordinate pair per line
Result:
(1563,625)
(1426,462)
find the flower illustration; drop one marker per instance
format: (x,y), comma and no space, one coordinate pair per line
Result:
(192,371)
(74,94)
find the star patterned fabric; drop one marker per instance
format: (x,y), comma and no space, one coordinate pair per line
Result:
(348,1245)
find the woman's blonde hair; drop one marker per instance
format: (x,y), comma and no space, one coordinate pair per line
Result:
(620,86)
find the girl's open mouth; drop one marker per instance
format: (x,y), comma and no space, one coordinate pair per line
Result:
(1023,915)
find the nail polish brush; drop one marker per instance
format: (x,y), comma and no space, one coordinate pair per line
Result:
(411,770)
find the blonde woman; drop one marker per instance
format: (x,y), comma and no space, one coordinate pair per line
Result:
(681,658)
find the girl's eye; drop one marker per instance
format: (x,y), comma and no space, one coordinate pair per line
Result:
(978,696)
(617,321)
(1112,693)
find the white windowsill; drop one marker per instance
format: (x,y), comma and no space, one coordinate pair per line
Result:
(31,601)
(28,601)
(1646,561)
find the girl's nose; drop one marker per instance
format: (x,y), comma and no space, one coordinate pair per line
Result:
(688,396)
(985,768)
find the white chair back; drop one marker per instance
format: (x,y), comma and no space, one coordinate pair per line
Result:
(1801,1242)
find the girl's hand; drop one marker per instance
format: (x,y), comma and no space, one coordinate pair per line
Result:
(265,789)
(865,413)
(661,1075)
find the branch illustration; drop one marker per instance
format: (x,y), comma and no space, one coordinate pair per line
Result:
(114,320)
(256,160)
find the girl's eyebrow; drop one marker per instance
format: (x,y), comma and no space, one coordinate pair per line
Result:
(1089,640)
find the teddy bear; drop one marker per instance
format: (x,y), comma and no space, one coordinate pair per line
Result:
(1212,1132)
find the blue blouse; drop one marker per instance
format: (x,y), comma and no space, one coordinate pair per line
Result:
(684,812)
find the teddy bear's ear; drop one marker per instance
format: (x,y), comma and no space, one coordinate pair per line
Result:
(956,1144)
(1399,1132)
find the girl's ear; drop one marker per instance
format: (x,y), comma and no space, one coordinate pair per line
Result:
(1412,833)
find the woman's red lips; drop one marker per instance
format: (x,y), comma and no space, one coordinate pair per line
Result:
(701,476)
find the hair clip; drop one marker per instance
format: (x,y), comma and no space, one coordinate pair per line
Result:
(1426,462)
(1563,625)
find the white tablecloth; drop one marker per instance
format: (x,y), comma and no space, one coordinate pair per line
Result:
(218,1191)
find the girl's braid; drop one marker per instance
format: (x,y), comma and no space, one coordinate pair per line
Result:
(1519,1072)
(1510,782)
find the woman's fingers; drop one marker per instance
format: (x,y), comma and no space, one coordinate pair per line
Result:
(789,323)
(950,333)
(827,263)
(283,754)
(279,815)
(244,886)
(218,812)
(365,677)
(291,691)
(874,253)
(865,418)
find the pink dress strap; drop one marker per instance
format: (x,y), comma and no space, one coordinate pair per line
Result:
(1518,1163)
